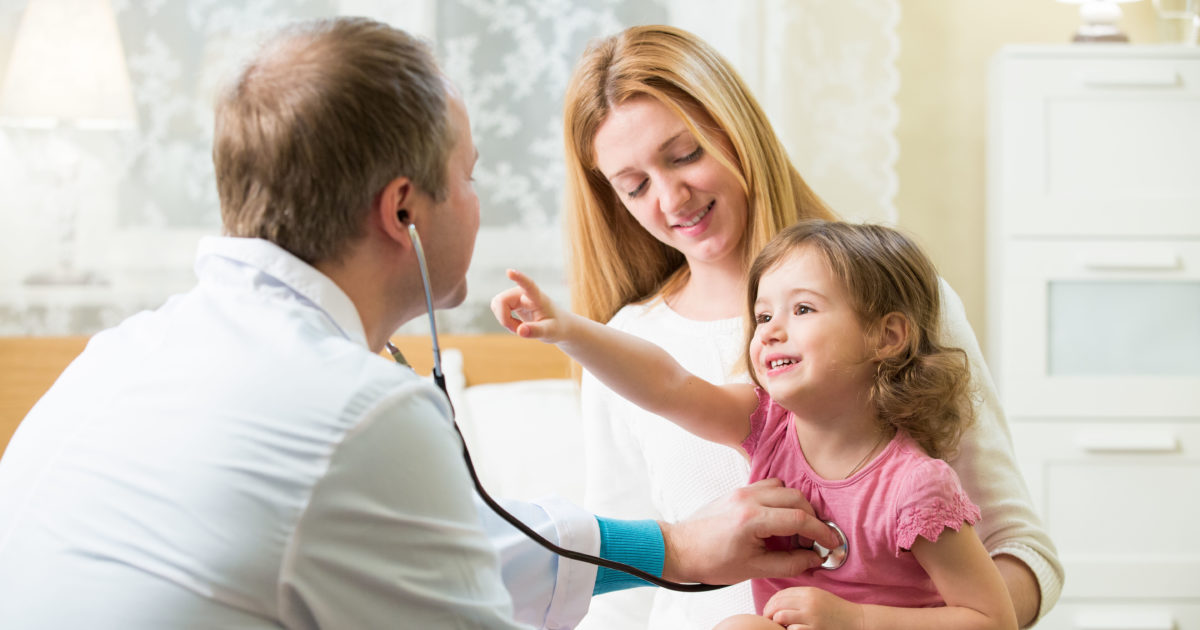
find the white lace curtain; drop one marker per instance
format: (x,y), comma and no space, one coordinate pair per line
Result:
(823,69)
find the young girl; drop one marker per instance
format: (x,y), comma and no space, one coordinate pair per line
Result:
(854,401)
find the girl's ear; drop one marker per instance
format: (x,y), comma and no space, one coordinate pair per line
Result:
(893,336)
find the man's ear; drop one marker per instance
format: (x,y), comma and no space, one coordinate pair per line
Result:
(396,206)
(893,333)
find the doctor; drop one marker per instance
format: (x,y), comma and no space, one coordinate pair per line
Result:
(242,457)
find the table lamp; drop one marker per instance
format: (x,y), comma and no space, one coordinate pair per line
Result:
(1099,20)
(67,70)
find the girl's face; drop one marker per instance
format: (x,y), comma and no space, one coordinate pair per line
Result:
(809,349)
(676,191)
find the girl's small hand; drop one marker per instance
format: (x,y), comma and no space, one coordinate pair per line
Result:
(807,607)
(525,311)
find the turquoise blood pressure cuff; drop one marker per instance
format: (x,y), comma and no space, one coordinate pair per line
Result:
(636,543)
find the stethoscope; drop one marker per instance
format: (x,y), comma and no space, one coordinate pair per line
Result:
(833,558)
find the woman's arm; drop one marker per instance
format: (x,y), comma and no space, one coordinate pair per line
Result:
(961,570)
(634,368)
(1022,587)
(1010,529)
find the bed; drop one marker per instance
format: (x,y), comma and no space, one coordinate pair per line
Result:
(516,403)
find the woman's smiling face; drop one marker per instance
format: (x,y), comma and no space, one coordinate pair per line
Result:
(675,190)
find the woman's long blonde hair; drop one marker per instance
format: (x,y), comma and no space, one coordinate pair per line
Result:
(613,261)
(924,389)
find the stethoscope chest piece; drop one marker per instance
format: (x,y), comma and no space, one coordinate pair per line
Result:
(835,557)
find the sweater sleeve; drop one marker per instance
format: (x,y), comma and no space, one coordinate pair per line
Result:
(636,543)
(987,467)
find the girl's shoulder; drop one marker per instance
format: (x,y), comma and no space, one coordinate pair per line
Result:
(912,467)
(768,418)
(917,474)
(929,497)
(767,409)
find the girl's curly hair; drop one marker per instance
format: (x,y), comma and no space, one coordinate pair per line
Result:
(924,389)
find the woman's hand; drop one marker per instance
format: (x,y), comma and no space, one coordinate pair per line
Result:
(526,311)
(808,607)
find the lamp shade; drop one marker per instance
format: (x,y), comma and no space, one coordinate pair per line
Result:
(67,65)
(1099,20)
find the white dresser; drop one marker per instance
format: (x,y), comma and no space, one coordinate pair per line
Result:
(1094,317)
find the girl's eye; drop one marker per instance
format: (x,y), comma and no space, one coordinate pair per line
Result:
(762,318)
(637,191)
(801,309)
(691,157)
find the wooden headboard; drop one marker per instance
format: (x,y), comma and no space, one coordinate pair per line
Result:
(498,358)
(30,365)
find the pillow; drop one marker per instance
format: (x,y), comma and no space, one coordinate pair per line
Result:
(526,438)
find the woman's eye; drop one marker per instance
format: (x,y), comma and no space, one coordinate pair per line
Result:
(637,191)
(762,318)
(801,309)
(691,157)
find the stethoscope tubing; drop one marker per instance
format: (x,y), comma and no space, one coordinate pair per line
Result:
(440,380)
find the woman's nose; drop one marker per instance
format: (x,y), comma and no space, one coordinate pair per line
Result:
(674,194)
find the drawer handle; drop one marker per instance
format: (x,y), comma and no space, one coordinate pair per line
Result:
(1162,79)
(1125,620)
(1128,442)
(1117,261)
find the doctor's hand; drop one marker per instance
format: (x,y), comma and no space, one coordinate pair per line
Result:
(529,313)
(725,542)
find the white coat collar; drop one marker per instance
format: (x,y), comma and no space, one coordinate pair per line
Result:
(284,268)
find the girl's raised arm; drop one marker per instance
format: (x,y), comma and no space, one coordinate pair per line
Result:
(634,368)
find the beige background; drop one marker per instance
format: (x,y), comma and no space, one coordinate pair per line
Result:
(945,48)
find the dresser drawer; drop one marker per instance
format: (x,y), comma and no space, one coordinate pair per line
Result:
(1120,500)
(1097,145)
(1084,615)
(1098,327)
(1155,71)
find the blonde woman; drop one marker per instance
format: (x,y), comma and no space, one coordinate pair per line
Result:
(675,181)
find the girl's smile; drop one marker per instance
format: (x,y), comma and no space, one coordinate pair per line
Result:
(776,365)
